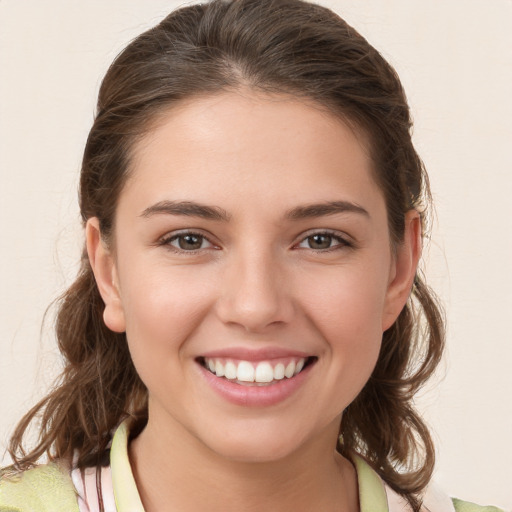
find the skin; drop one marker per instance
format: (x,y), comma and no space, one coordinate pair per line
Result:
(256,281)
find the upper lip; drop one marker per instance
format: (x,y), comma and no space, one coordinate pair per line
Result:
(251,354)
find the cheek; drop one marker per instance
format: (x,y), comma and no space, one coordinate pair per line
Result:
(162,310)
(347,300)
(347,308)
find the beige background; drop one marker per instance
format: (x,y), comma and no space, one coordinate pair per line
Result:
(455,59)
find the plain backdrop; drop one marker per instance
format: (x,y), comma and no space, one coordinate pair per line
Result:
(455,60)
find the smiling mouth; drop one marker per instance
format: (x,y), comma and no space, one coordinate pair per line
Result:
(262,373)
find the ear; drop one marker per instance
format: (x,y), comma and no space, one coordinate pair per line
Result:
(403,269)
(105,272)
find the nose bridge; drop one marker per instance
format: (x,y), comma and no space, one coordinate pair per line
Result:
(254,294)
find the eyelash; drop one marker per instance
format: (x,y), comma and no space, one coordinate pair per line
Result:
(341,242)
(167,241)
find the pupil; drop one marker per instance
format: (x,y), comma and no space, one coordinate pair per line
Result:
(320,241)
(190,242)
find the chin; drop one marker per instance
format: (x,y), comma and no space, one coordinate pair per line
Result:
(256,453)
(255,445)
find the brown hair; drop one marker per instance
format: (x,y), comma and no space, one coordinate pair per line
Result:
(275,46)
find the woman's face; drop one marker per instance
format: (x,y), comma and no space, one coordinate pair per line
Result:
(250,241)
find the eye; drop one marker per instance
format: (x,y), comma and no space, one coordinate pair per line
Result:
(187,241)
(323,242)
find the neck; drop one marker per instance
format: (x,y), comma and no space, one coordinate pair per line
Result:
(177,472)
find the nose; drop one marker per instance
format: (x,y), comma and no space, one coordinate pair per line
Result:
(254,292)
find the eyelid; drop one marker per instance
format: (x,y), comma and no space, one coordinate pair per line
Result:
(344,239)
(166,240)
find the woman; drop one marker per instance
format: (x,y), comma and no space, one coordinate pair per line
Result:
(245,331)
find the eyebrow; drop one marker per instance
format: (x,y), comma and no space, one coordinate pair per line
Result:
(193,209)
(187,208)
(321,209)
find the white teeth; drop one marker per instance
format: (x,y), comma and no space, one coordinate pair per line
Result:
(245,372)
(262,373)
(219,369)
(230,370)
(279,371)
(290,370)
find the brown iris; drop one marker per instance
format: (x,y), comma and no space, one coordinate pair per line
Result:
(190,242)
(320,241)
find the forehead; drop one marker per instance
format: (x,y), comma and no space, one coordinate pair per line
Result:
(237,144)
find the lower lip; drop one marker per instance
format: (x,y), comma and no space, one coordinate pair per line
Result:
(254,395)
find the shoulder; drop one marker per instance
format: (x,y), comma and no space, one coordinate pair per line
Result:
(465,506)
(44,488)
(434,499)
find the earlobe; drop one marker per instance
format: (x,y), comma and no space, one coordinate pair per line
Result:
(405,264)
(105,272)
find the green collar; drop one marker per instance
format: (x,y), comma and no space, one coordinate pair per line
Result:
(372,495)
(125,490)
